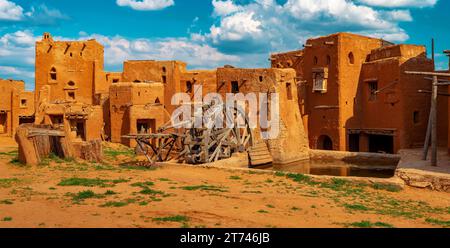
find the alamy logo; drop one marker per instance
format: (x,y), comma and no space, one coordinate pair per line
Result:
(254,110)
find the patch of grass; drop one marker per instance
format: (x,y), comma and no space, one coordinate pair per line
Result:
(269,181)
(235,178)
(90,182)
(16,162)
(115,204)
(110,192)
(442,223)
(204,188)
(115,153)
(164,179)
(387,187)
(143,184)
(368,224)
(149,191)
(13,153)
(270,206)
(263,211)
(295,209)
(7,219)
(8,182)
(280,174)
(357,207)
(176,218)
(83,195)
(6,202)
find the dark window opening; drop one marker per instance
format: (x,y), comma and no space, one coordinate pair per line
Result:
(261,78)
(115,80)
(79,128)
(26,120)
(3,123)
(188,87)
(23,102)
(71,55)
(381,144)
(157,100)
(53,74)
(289,91)
(146,126)
(373,90)
(351,58)
(57,119)
(328,60)
(164,79)
(325,143)
(71,84)
(353,141)
(316,60)
(234,87)
(136,81)
(164,70)
(416,117)
(71,96)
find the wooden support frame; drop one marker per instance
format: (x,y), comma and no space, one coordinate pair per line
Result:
(432,133)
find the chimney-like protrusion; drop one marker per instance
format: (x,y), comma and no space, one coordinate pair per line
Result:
(47,37)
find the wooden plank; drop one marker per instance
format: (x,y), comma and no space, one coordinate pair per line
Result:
(437,74)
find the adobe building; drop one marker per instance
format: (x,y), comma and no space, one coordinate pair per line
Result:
(136,108)
(390,112)
(291,145)
(71,87)
(16,106)
(336,73)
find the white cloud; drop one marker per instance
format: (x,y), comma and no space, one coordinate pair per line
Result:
(17,52)
(224,8)
(400,3)
(146,4)
(10,11)
(16,72)
(264,26)
(196,54)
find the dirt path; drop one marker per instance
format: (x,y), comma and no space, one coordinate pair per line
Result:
(75,194)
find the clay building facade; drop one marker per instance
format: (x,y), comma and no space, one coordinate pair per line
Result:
(16,106)
(136,108)
(291,144)
(71,87)
(347,81)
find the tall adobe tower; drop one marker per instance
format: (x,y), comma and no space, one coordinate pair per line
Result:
(72,69)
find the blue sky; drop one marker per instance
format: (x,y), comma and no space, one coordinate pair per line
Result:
(209,33)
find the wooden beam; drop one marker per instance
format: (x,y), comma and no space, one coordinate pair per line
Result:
(437,74)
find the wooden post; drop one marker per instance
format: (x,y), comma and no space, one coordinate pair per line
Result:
(432,52)
(426,147)
(434,141)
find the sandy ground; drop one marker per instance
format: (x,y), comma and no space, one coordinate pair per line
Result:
(178,196)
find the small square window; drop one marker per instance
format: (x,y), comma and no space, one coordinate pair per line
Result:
(23,102)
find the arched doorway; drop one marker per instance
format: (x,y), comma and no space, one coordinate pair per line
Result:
(325,143)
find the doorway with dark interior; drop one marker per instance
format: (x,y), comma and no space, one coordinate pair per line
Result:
(325,143)
(3,122)
(381,144)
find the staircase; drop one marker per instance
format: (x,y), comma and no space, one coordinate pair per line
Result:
(259,154)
